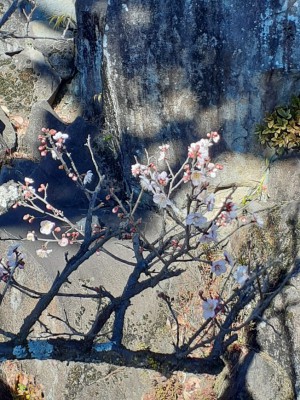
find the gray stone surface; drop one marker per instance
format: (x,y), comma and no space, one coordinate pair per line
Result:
(9,194)
(59,52)
(144,320)
(173,71)
(48,9)
(7,131)
(47,81)
(78,381)
(41,116)
(284,179)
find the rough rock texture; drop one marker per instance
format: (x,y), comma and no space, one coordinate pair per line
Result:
(267,367)
(76,381)
(162,71)
(175,70)
(145,320)
(8,134)
(41,116)
(32,69)
(9,194)
(89,43)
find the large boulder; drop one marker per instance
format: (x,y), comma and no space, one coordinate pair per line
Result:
(173,71)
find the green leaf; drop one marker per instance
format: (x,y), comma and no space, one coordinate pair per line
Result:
(282,112)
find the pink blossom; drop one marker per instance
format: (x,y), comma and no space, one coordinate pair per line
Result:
(136,169)
(196,219)
(231,209)
(63,242)
(214,136)
(211,170)
(229,213)
(162,178)
(218,267)
(193,150)
(186,176)
(28,191)
(163,152)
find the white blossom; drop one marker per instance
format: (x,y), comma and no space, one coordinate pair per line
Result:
(209,307)
(47,227)
(31,236)
(161,200)
(63,242)
(60,135)
(197,177)
(196,219)
(218,267)
(43,253)
(241,274)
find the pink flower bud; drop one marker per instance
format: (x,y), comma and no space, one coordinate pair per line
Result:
(115,209)
(44,153)
(57,229)
(74,178)
(49,207)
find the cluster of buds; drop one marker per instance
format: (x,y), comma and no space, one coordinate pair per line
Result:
(153,181)
(72,176)
(27,192)
(59,139)
(228,214)
(197,171)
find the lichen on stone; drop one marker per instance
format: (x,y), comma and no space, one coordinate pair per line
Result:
(40,349)
(8,196)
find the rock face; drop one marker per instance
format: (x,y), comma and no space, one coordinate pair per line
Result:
(150,73)
(173,71)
